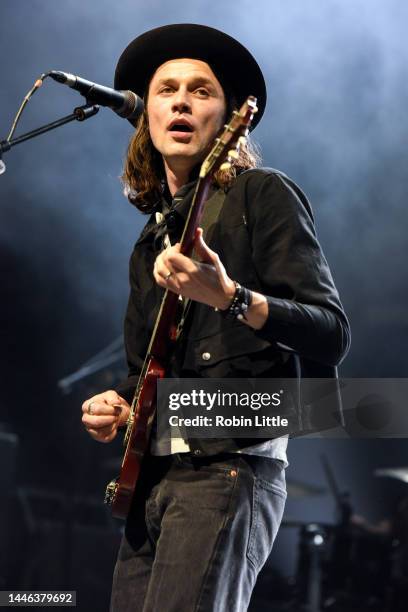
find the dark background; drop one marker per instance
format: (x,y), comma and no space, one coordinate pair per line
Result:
(336,122)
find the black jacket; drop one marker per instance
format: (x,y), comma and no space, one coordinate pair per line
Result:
(266,239)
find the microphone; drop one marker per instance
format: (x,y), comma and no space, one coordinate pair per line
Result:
(126,104)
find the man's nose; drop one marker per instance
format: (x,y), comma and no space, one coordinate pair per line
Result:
(181,101)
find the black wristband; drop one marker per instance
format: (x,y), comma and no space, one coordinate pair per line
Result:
(239,305)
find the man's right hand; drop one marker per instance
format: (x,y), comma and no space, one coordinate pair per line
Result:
(103,414)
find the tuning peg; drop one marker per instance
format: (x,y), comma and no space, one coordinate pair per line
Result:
(225,166)
(242,140)
(233,154)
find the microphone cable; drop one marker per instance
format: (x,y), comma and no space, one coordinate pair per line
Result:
(27,97)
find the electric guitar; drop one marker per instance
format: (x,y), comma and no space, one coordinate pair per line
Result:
(119,492)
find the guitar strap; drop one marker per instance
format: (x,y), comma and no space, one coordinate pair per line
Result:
(211,213)
(212,209)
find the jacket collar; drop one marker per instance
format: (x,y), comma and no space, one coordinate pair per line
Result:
(173,217)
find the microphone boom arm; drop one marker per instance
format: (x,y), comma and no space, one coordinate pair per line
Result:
(81,113)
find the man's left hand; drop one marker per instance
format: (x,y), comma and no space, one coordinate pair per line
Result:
(204,281)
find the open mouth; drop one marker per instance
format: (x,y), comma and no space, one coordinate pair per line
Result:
(180,127)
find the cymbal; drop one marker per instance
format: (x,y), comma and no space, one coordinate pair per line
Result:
(400,473)
(298,489)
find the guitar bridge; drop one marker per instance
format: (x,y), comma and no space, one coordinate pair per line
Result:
(110,492)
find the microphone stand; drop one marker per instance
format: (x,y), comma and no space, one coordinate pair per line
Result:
(81,113)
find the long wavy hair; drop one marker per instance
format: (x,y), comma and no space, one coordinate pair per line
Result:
(144,175)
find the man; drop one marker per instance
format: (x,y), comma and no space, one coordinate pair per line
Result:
(206,512)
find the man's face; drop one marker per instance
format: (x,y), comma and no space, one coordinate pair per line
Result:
(186,109)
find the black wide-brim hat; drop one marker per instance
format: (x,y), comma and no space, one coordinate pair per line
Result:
(234,66)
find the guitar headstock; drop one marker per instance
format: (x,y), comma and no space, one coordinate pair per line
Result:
(226,147)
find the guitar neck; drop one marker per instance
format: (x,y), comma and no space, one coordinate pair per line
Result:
(164,332)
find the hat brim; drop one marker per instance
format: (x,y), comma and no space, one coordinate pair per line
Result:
(231,62)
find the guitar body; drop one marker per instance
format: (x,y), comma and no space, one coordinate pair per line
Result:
(120,491)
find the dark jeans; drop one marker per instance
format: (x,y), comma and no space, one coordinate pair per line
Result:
(198,533)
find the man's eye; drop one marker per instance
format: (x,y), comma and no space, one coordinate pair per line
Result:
(166,89)
(202,92)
